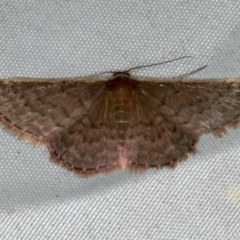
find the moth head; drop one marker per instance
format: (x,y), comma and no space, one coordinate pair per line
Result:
(121,73)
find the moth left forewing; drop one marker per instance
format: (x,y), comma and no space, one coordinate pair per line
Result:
(34,108)
(53,80)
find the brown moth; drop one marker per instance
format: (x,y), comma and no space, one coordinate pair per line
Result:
(93,125)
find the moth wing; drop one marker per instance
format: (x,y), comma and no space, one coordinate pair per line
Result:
(37,109)
(90,144)
(170,117)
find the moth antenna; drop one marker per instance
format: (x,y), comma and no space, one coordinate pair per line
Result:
(185,75)
(156,64)
(143,66)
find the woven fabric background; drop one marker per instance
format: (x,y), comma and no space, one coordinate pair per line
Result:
(199,199)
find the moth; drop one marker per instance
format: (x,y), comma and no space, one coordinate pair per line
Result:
(92,125)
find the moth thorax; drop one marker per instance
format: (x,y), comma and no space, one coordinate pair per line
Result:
(122,105)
